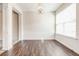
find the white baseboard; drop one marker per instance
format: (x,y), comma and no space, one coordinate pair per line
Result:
(16,42)
(72,44)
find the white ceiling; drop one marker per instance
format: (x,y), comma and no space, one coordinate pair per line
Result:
(34,6)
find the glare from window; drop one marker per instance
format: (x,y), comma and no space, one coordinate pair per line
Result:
(66,21)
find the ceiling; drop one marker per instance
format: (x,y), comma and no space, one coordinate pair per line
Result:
(34,6)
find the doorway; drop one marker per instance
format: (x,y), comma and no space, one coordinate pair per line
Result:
(1,26)
(15,26)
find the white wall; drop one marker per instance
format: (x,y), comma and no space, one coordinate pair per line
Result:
(77,21)
(0,25)
(69,42)
(0,21)
(7,24)
(38,26)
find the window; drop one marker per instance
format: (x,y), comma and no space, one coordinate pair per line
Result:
(66,21)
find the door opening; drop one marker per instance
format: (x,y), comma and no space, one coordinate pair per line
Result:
(1,26)
(15,26)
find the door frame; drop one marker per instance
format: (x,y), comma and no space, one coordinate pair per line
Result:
(1,11)
(7,24)
(19,24)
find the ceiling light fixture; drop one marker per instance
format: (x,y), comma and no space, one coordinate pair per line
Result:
(40,8)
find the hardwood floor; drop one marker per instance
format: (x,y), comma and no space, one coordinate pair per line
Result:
(39,48)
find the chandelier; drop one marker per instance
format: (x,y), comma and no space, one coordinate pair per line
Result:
(40,8)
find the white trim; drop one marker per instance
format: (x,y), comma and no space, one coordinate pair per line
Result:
(7,24)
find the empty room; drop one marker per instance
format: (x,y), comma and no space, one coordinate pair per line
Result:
(39,29)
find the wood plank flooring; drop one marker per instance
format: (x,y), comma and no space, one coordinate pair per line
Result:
(1,51)
(39,48)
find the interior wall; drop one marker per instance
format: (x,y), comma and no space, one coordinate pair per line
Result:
(15,23)
(38,26)
(7,24)
(69,42)
(0,25)
(0,21)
